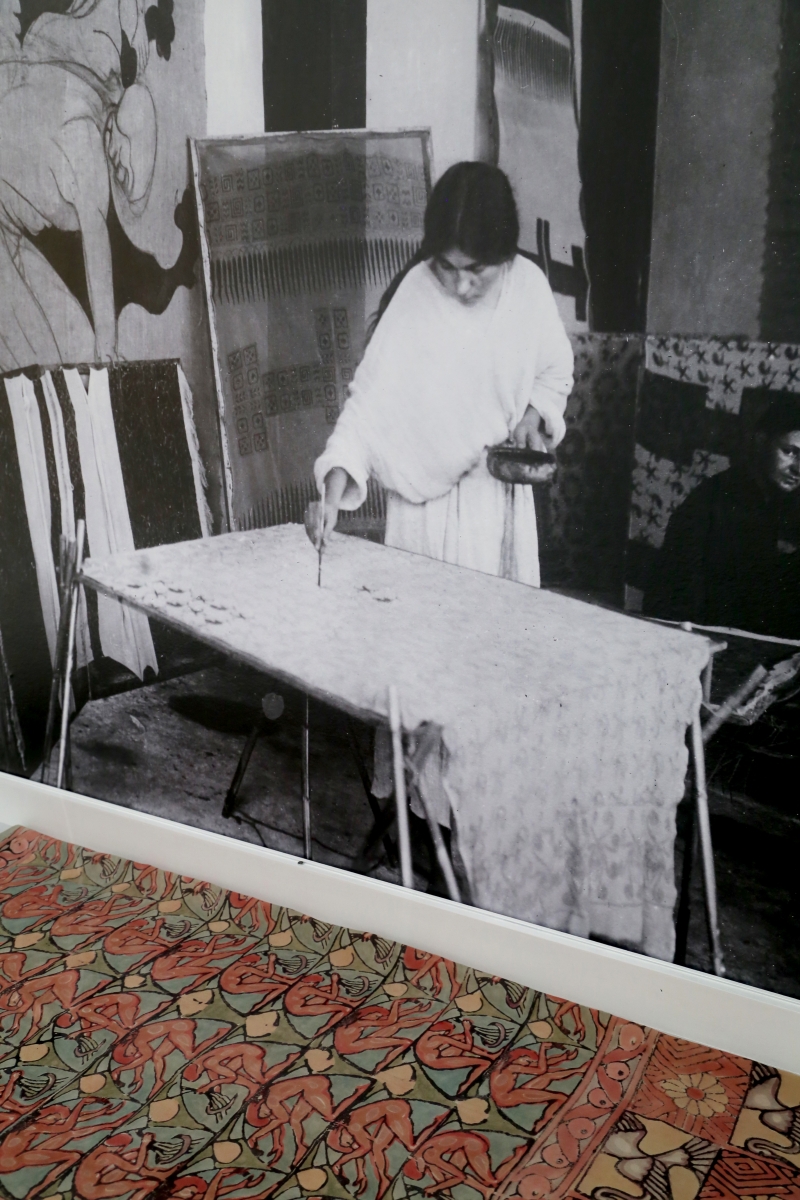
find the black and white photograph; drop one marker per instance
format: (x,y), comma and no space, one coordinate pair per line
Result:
(399,476)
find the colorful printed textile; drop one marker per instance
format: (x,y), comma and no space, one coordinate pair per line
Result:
(564,724)
(160,1036)
(303,232)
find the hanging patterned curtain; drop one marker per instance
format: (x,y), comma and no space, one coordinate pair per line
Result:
(535,48)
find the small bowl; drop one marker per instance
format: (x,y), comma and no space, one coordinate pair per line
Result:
(513,464)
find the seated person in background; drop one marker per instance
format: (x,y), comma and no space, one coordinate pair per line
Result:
(731,554)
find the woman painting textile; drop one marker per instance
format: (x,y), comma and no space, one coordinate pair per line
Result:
(447,375)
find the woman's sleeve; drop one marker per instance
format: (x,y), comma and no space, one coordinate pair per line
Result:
(349,444)
(554,372)
(346,449)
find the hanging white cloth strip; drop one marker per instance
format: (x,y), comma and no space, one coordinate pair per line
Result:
(124,634)
(198,470)
(36,491)
(83,646)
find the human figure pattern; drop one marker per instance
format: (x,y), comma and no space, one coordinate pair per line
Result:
(161,1037)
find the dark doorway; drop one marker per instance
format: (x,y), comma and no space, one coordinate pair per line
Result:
(619,110)
(315,64)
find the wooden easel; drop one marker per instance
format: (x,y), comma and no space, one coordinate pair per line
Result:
(69,584)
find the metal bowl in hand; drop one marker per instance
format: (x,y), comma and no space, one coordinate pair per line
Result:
(516,464)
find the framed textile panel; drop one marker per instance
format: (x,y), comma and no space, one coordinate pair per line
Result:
(301,233)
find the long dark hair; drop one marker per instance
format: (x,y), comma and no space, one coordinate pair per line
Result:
(472,209)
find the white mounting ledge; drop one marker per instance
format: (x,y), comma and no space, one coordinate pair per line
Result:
(716,1012)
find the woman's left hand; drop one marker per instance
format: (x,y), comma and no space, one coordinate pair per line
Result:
(532,433)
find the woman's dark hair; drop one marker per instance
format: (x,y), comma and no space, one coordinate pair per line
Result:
(472,209)
(781,414)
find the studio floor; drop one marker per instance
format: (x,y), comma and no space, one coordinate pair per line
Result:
(171,749)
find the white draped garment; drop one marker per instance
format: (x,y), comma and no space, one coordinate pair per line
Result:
(439,384)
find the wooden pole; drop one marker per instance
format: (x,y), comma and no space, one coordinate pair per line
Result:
(80,536)
(306,782)
(401,800)
(734,701)
(706,848)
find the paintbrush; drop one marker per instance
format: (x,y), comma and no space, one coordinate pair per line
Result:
(321,538)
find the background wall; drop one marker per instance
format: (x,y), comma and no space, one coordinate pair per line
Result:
(718,65)
(422,70)
(233,67)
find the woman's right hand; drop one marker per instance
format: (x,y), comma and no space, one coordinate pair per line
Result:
(320,522)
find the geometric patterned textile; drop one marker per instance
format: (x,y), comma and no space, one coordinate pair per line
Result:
(697,404)
(583,515)
(302,233)
(162,1037)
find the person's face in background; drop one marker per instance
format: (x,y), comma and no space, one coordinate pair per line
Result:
(462,277)
(782,461)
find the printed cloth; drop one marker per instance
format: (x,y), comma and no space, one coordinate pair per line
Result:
(117,448)
(162,1036)
(564,723)
(439,383)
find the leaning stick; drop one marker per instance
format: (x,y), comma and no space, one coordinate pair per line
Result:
(67,680)
(401,800)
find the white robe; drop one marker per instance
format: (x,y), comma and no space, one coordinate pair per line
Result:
(440,382)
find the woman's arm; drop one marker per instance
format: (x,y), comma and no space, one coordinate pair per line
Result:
(321,516)
(542,427)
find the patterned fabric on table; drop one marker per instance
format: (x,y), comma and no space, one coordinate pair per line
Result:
(162,1037)
(698,400)
(563,724)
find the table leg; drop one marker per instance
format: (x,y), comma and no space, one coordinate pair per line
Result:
(374,804)
(306,771)
(401,800)
(684,903)
(244,759)
(706,848)
(442,856)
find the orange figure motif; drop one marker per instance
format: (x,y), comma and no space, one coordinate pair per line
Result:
(41,1141)
(117,1012)
(154,1043)
(444,1048)
(455,1157)
(197,960)
(142,938)
(34,995)
(378,1028)
(368,1136)
(537,1072)
(249,912)
(313,997)
(251,975)
(310,1094)
(117,1168)
(430,966)
(243,1063)
(42,903)
(97,918)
